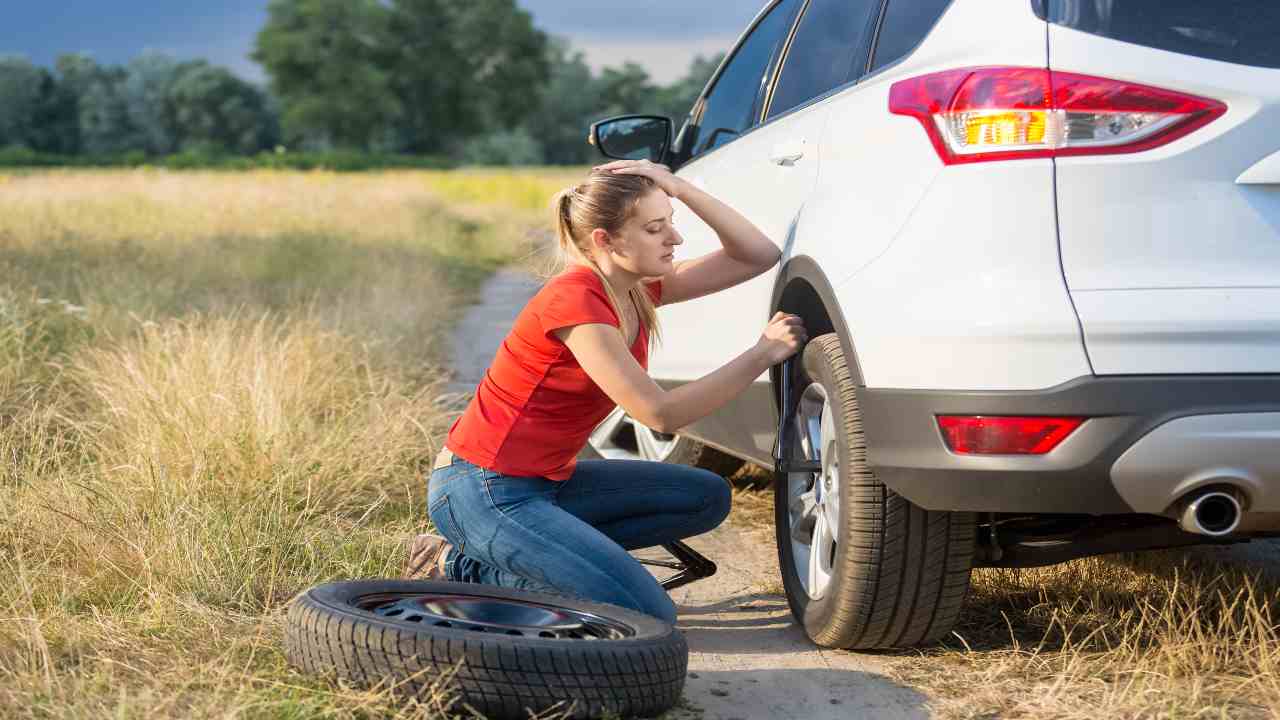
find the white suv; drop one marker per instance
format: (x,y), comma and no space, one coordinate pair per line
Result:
(1037,247)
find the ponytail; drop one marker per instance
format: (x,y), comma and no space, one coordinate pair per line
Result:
(564,220)
(605,201)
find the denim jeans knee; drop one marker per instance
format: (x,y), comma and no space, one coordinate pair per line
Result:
(512,531)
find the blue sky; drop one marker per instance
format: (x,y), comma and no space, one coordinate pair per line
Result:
(662,35)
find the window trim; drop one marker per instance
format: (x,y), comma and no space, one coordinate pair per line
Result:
(782,63)
(700,105)
(695,116)
(910,51)
(1052,15)
(871,48)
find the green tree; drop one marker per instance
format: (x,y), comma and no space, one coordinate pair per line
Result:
(575,98)
(569,104)
(20,94)
(101,107)
(676,99)
(463,69)
(216,111)
(627,90)
(147,93)
(328,64)
(505,147)
(105,124)
(57,118)
(76,72)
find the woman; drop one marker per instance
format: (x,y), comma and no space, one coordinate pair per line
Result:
(515,507)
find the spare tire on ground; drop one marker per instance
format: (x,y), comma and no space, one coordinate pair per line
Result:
(513,651)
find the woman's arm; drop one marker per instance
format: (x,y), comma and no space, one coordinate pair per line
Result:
(746,253)
(741,239)
(600,351)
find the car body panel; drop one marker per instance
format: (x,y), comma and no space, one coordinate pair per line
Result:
(949,276)
(1172,255)
(703,334)
(1202,451)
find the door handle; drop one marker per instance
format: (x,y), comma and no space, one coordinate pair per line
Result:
(787,153)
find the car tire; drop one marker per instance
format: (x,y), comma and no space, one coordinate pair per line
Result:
(900,575)
(619,436)
(407,634)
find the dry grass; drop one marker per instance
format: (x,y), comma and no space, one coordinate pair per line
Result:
(752,512)
(1172,634)
(215,391)
(1157,635)
(492,196)
(194,478)
(519,189)
(380,256)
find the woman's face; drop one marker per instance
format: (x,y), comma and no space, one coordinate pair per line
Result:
(647,242)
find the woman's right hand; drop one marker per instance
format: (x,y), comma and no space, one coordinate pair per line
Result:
(782,337)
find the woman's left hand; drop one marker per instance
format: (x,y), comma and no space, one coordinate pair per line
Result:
(657,172)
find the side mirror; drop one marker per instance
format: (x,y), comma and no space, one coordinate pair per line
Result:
(632,137)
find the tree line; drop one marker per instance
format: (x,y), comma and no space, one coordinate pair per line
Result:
(469,80)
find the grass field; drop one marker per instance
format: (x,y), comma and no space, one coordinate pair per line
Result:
(216,390)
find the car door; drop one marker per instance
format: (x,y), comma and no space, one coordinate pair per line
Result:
(765,171)
(725,117)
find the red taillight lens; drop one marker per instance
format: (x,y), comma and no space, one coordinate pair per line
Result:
(991,435)
(1006,113)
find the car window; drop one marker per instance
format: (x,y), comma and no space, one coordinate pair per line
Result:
(829,49)
(734,102)
(905,24)
(1238,31)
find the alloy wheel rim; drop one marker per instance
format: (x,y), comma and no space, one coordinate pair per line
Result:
(493,615)
(620,437)
(813,505)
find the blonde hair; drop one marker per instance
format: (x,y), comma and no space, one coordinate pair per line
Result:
(604,200)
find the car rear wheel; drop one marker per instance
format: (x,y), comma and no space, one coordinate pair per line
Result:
(619,436)
(862,566)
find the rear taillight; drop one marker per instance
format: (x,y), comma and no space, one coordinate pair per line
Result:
(1003,435)
(1006,113)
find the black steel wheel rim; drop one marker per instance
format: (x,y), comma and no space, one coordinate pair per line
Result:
(493,615)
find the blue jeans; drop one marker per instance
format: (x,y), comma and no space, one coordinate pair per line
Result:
(572,537)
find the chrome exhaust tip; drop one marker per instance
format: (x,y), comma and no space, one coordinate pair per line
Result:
(1214,513)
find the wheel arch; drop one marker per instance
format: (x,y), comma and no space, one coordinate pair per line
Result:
(802,288)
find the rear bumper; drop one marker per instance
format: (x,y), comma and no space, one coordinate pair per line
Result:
(1130,456)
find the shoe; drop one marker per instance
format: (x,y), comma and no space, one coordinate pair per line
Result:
(426,558)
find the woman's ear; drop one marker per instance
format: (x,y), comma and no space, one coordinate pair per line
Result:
(601,241)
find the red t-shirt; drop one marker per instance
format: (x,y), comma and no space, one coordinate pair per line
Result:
(535,407)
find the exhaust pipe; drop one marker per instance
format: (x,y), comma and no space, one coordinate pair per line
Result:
(1211,512)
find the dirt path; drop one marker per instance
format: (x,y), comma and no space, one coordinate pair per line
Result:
(478,334)
(747,658)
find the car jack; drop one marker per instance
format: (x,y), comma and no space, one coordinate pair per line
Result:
(690,564)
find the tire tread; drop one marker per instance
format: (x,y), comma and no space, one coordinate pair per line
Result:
(903,571)
(496,676)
